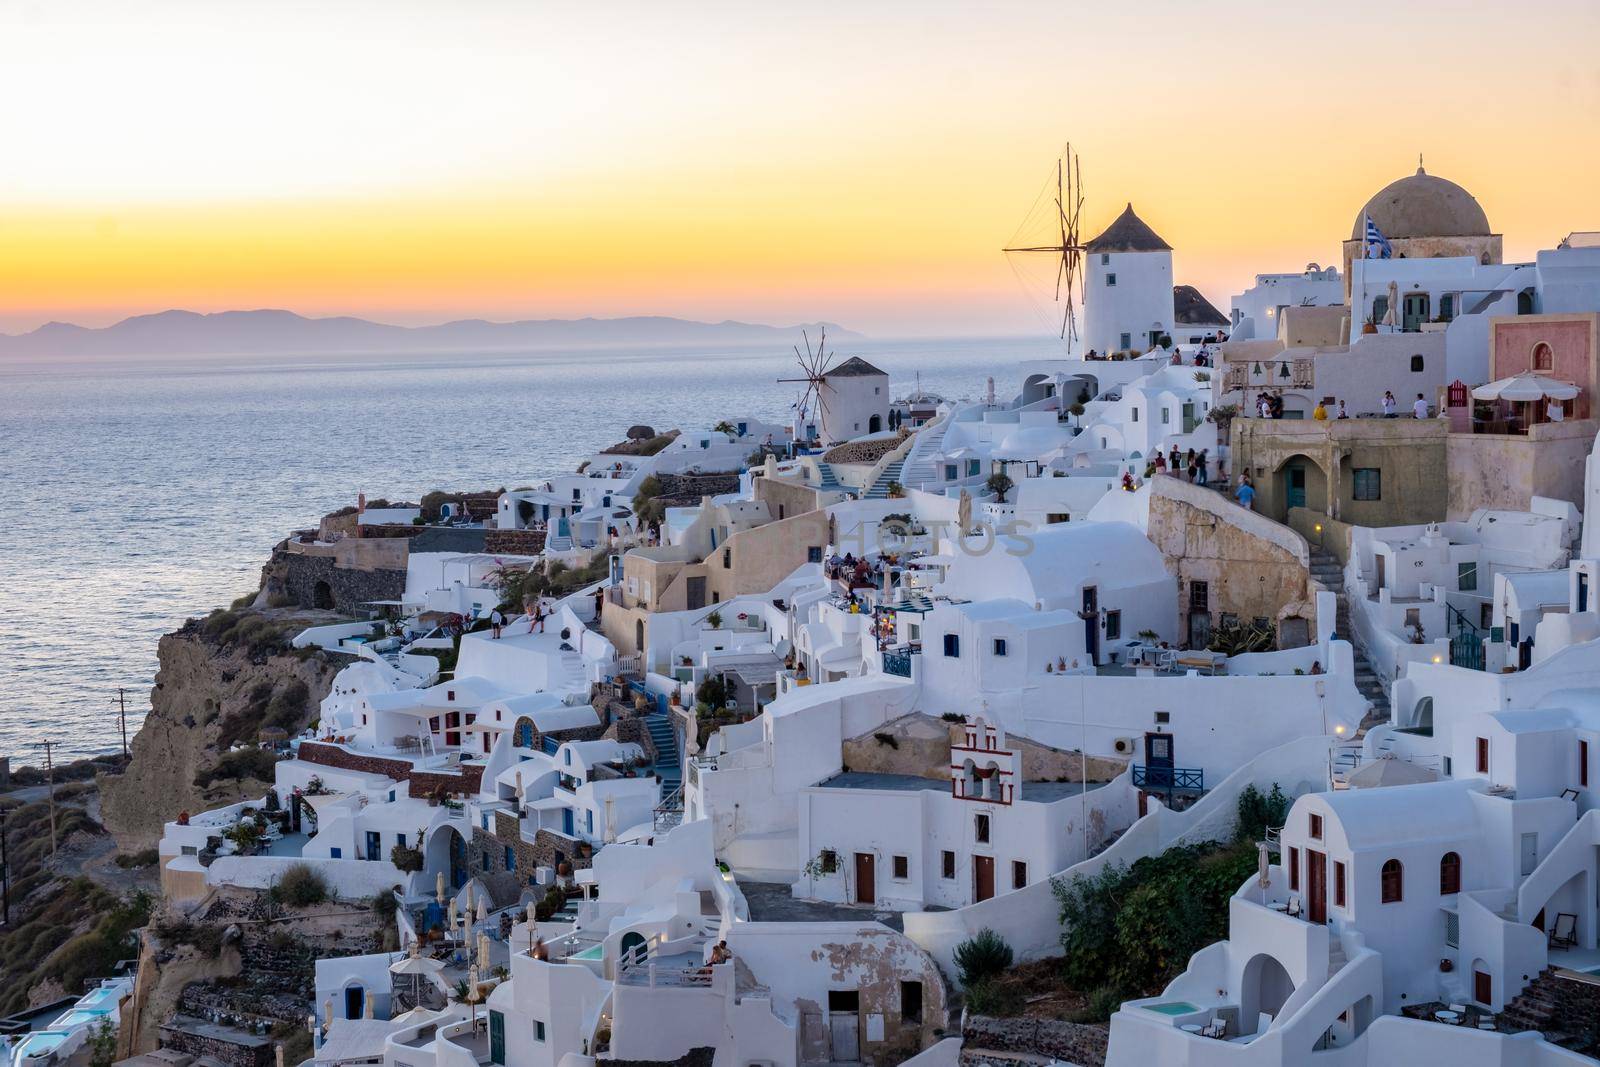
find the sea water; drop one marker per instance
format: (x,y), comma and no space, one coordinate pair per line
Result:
(140,492)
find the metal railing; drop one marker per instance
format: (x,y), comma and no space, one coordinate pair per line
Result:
(897,662)
(669,813)
(1466,640)
(1169,778)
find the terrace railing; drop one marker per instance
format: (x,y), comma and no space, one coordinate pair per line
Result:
(1466,640)
(897,662)
(1171,779)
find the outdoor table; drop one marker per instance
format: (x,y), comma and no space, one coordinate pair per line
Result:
(1447,1017)
(1190,1028)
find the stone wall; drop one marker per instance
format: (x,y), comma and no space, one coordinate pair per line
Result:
(1252,567)
(423,783)
(514,542)
(309,579)
(685,490)
(232,1048)
(1408,453)
(486,856)
(1508,470)
(922,748)
(1078,1043)
(785,498)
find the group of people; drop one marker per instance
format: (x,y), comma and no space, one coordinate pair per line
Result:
(536,617)
(1270,406)
(1196,465)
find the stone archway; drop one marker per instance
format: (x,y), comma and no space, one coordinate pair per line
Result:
(322,595)
(1298,482)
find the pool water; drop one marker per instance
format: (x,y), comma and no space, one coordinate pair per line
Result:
(1176,1007)
(41,1043)
(593,952)
(100,996)
(79,1016)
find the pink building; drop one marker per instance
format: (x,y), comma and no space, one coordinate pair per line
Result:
(1564,347)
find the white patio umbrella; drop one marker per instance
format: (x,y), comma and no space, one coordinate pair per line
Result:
(439,883)
(417,966)
(1526,387)
(1387,770)
(483,909)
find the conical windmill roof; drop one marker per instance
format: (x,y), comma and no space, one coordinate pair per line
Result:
(1129,233)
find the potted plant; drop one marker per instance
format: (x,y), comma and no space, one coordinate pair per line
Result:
(714,620)
(1369,326)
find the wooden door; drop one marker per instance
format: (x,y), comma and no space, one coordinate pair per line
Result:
(982,878)
(1317,886)
(866,878)
(497,1037)
(1482,988)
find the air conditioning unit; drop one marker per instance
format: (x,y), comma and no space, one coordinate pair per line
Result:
(1126,746)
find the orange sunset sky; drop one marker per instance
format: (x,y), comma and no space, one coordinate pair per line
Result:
(858,162)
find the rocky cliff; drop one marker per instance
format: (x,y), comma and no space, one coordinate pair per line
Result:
(220,680)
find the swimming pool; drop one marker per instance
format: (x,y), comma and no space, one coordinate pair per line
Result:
(107,995)
(1176,1007)
(41,1043)
(593,952)
(80,1016)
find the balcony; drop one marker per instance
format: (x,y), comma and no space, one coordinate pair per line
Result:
(897,661)
(1169,779)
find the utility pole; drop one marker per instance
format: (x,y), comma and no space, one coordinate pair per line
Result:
(50,782)
(122,717)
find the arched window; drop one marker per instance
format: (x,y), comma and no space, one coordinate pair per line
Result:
(1393,881)
(1543,358)
(1449,873)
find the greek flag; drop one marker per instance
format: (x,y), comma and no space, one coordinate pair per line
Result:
(1375,244)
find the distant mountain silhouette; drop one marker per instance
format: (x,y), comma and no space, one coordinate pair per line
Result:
(271,332)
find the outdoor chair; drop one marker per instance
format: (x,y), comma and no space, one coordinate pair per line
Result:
(1294,907)
(1564,934)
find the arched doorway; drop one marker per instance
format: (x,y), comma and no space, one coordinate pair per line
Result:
(875,424)
(632,943)
(638,635)
(322,595)
(447,852)
(1264,989)
(355,1001)
(522,734)
(1299,483)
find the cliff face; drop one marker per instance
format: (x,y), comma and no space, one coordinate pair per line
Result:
(220,680)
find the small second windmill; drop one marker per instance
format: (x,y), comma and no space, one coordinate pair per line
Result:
(814,366)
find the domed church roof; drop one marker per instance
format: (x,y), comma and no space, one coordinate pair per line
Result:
(1422,205)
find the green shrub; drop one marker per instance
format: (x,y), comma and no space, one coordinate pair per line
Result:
(1258,812)
(1133,929)
(981,957)
(300,886)
(143,858)
(988,998)
(240,764)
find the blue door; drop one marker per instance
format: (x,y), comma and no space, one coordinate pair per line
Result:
(566,821)
(1297,485)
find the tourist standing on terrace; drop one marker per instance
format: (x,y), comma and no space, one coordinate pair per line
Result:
(496,620)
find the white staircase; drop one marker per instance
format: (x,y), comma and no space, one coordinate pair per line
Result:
(920,465)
